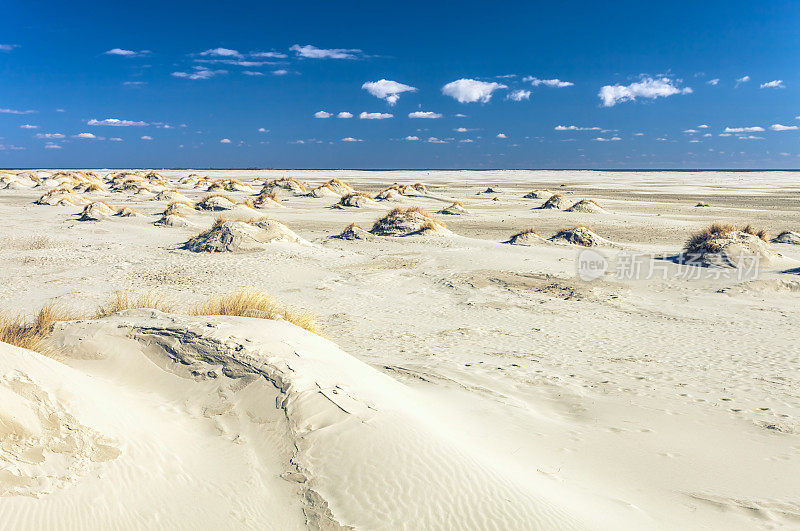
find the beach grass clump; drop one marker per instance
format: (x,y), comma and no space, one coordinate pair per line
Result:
(254,303)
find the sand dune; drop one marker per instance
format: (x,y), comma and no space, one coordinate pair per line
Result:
(461,383)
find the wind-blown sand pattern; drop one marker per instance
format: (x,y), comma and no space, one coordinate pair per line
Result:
(454,382)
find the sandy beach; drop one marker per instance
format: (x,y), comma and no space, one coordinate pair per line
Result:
(462,372)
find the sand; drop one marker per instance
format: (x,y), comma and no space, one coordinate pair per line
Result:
(461,383)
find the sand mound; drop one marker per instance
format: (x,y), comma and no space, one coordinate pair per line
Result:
(389,194)
(61,198)
(578,236)
(331,188)
(588,206)
(526,237)
(128,212)
(97,211)
(265,200)
(242,236)
(214,422)
(725,246)
(787,236)
(286,184)
(216,203)
(407,221)
(353,232)
(356,200)
(555,201)
(539,194)
(456,209)
(171,195)
(179,207)
(173,220)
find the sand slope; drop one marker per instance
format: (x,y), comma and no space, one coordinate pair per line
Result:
(161,421)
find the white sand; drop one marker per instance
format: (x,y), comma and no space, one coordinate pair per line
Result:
(478,385)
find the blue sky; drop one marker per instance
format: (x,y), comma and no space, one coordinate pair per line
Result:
(509,85)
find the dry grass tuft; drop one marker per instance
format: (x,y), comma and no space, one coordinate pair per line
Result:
(761,233)
(701,242)
(249,202)
(252,303)
(530,230)
(224,196)
(30,335)
(122,300)
(265,196)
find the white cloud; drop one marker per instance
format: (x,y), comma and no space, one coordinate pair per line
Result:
(252,73)
(434,140)
(29,126)
(272,55)
(612,139)
(724,134)
(690,131)
(126,53)
(775,83)
(280,72)
(750,137)
(575,128)
(519,95)
(86,135)
(386,89)
(424,114)
(200,72)
(471,90)
(50,145)
(221,52)
(752,129)
(8,47)
(134,83)
(351,139)
(344,114)
(555,83)
(225,141)
(779,127)
(743,79)
(312,52)
(461,129)
(145,137)
(707,135)
(648,87)
(713,82)
(638,134)
(14,111)
(116,122)
(501,135)
(459,115)
(412,138)
(702,126)
(49,135)
(322,114)
(262,130)
(466,140)
(375,115)
(115,139)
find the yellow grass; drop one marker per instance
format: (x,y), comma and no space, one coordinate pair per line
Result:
(123,300)
(253,303)
(530,230)
(15,330)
